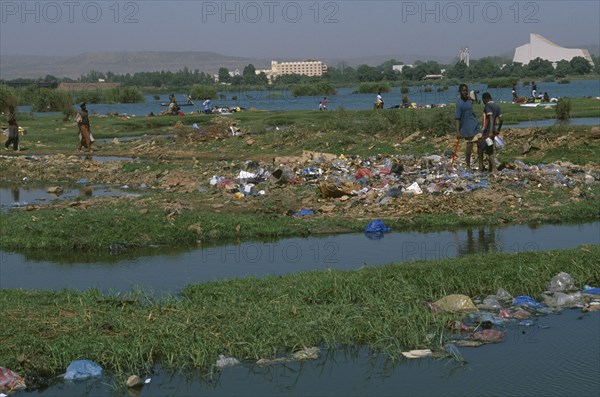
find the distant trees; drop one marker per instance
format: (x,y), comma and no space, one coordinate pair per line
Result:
(540,67)
(224,76)
(580,65)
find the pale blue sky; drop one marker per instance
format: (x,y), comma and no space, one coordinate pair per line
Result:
(293,29)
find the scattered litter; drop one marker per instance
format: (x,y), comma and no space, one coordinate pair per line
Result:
(223,361)
(304,212)
(561,282)
(307,353)
(455,303)
(376,226)
(10,381)
(82,369)
(528,301)
(417,353)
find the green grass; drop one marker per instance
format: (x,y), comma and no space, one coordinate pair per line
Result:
(250,318)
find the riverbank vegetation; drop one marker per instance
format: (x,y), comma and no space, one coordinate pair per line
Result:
(382,308)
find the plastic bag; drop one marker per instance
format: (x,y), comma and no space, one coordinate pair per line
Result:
(561,282)
(376,226)
(499,143)
(455,303)
(82,369)
(223,361)
(524,300)
(10,381)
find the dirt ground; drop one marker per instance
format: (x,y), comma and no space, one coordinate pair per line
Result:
(331,186)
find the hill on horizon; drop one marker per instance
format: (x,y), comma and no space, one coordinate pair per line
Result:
(34,66)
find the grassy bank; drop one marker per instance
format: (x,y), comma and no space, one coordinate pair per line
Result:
(140,224)
(250,318)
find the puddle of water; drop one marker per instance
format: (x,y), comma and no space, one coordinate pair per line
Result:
(167,273)
(136,137)
(22,196)
(105,159)
(558,360)
(553,122)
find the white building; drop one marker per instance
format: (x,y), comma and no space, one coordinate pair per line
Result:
(540,47)
(303,68)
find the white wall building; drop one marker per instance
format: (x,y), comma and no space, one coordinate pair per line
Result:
(540,47)
(303,68)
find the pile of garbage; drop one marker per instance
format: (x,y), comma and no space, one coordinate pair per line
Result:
(486,320)
(381,179)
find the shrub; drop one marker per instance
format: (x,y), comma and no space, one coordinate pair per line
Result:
(203,92)
(563,110)
(373,88)
(7,97)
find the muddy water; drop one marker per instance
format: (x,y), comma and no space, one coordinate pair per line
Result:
(167,272)
(19,196)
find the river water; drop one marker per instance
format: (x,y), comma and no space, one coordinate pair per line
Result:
(283,100)
(166,273)
(556,356)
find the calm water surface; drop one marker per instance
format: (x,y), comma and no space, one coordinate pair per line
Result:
(168,272)
(283,100)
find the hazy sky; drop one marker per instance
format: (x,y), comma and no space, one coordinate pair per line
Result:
(293,29)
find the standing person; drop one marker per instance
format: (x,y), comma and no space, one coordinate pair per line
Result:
(325,103)
(533,89)
(85,133)
(491,115)
(514,92)
(467,125)
(13,129)
(207,107)
(379,101)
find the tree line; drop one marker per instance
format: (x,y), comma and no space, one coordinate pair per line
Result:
(480,69)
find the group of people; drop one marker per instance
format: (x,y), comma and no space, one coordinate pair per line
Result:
(545,97)
(467,127)
(323,104)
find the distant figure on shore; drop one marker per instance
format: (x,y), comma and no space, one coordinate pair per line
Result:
(379,101)
(514,92)
(533,89)
(546,97)
(85,133)
(207,107)
(325,103)
(320,105)
(13,129)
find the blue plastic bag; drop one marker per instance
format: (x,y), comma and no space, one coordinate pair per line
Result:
(377,226)
(304,212)
(82,369)
(593,291)
(524,300)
